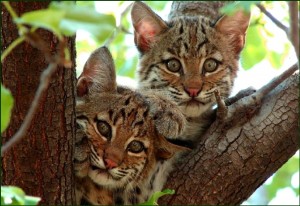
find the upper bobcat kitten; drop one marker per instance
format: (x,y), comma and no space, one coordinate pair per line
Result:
(189,57)
(118,148)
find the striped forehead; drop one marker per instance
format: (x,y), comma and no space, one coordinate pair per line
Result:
(129,111)
(190,38)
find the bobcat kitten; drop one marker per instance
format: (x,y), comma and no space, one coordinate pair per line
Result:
(188,58)
(119,145)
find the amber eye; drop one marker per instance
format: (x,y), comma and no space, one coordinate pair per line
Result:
(173,65)
(135,146)
(210,65)
(104,129)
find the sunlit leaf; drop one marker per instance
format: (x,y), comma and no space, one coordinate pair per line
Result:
(157,5)
(30,200)
(17,196)
(90,4)
(275,59)
(154,198)
(255,48)
(7,102)
(46,18)
(85,18)
(230,8)
(65,18)
(282,178)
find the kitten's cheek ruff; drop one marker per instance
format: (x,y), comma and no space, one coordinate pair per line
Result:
(98,174)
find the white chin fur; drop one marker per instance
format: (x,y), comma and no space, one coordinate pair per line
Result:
(104,179)
(194,110)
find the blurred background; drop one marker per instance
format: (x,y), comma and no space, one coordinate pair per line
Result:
(267,53)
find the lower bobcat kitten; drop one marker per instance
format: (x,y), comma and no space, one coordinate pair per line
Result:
(121,141)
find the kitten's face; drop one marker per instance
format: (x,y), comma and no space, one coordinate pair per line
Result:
(124,144)
(121,138)
(188,57)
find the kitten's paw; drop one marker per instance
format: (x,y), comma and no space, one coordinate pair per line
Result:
(169,120)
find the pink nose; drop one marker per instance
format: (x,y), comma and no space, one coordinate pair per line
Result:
(193,92)
(110,164)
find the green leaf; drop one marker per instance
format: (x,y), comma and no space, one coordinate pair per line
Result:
(154,198)
(46,18)
(7,102)
(16,196)
(83,17)
(255,48)
(231,8)
(157,5)
(65,18)
(282,178)
(277,58)
(30,200)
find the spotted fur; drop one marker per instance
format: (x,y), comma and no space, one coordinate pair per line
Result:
(195,43)
(120,140)
(187,58)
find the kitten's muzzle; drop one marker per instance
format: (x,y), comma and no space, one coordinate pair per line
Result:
(192,92)
(110,164)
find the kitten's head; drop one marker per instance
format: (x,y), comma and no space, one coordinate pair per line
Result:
(124,143)
(189,57)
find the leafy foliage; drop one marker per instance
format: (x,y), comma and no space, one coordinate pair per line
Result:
(235,6)
(282,178)
(11,195)
(7,102)
(259,39)
(67,18)
(255,49)
(122,46)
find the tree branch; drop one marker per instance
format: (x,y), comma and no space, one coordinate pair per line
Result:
(235,157)
(294,25)
(255,136)
(273,19)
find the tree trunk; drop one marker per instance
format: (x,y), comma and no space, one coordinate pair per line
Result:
(41,163)
(235,157)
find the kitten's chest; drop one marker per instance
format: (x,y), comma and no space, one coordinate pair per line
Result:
(194,129)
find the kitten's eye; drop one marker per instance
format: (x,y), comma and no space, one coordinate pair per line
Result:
(173,65)
(104,129)
(135,146)
(210,65)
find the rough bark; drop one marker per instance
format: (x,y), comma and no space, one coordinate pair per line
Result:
(235,157)
(41,163)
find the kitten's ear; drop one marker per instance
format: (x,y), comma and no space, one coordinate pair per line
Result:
(146,25)
(98,74)
(234,27)
(166,150)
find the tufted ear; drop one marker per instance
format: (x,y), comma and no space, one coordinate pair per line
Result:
(166,150)
(98,74)
(146,25)
(234,27)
